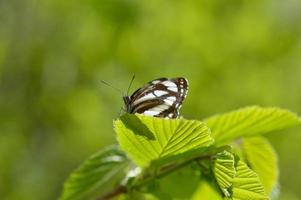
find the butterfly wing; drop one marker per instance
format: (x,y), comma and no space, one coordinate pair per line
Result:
(160,98)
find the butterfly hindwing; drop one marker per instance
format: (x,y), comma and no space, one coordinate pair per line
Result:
(159,98)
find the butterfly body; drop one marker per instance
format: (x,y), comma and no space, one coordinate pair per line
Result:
(161,97)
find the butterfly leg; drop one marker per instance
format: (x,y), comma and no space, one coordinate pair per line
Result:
(121,111)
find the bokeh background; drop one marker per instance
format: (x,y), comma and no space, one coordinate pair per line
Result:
(54,112)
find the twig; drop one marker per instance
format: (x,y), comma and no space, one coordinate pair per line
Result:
(117,191)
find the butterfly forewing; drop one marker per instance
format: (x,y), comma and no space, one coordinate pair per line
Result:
(159,98)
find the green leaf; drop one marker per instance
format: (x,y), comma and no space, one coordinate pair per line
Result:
(262,158)
(188,176)
(249,121)
(100,172)
(224,171)
(206,191)
(246,184)
(236,179)
(146,139)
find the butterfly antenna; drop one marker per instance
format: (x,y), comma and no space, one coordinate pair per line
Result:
(107,84)
(127,92)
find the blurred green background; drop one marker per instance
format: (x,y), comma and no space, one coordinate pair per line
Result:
(54,112)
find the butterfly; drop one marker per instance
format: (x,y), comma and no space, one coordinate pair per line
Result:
(161,97)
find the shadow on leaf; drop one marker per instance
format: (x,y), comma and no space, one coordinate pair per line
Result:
(135,124)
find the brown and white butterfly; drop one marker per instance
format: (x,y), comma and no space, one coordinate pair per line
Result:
(161,97)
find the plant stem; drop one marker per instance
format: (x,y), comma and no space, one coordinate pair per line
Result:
(117,191)
(123,189)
